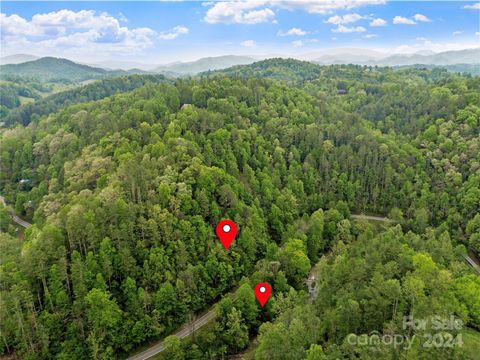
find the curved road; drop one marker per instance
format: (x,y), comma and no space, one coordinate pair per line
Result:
(470,258)
(187,330)
(14,217)
(20,222)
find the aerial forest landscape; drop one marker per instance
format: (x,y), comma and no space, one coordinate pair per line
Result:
(250,179)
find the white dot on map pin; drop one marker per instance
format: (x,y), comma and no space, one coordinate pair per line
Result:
(226,231)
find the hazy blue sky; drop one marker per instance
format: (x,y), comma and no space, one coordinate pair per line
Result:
(164,31)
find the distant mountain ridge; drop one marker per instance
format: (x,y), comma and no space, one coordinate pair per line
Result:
(344,56)
(51,68)
(204,64)
(54,69)
(17,59)
(356,56)
(57,69)
(467,56)
(274,68)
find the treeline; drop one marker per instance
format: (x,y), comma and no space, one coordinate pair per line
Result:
(125,193)
(10,94)
(95,91)
(276,68)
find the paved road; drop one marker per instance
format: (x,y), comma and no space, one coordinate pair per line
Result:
(471,261)
(187,330)
(20,222)
(14,217)
(371,217)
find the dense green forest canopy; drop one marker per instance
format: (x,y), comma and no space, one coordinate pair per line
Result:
(276,68)
(125,193)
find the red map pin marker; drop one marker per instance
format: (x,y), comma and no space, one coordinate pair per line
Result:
(262,292)
(226,231)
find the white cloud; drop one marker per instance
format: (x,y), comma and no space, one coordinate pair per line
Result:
(325,6)
(473,6)
(421,18)
(67,31)
(83,19)
(345,19)
(16,25)
(415,19)
(370,36)
(300,43)
(240,12)
(346,29)
(378,22)
(258,11)
(477,33)
(293,32)
(258,16)
(457,33)
(174,33)
(400,20)
(249,44)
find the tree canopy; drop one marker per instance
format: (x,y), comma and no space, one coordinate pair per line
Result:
(125,193)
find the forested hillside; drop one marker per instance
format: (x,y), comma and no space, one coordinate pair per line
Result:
(276,68)
(55,69)
(95,91)
(28,83)
(125,193)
